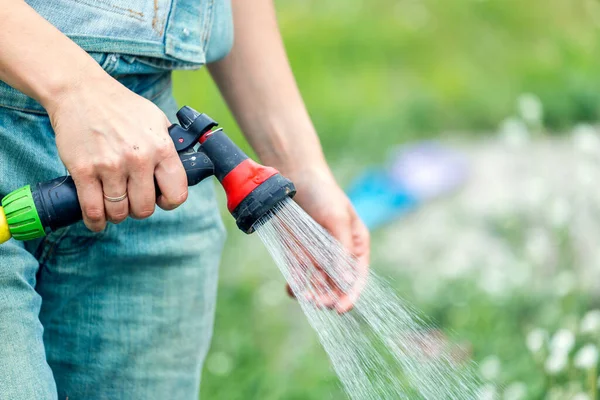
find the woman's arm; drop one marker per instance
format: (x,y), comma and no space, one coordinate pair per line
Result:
(257,83)
(110,139)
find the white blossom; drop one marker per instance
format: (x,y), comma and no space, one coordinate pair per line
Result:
(538,245)
(565,282)
(562,341)
(590,323)
(535,340)
(586,139)
(487,392)
(515,391)
(530,108)
(490,367)
(514,132)
(556,362)
(586,357)
(580,396)
(556,393)
(560,212)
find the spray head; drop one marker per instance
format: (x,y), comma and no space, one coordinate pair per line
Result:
(252,189)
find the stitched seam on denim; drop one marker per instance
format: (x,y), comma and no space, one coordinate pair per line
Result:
(106,6)
(113,41)
(107,44)
(167,64)
(205,24)
(209,25)
(169,22)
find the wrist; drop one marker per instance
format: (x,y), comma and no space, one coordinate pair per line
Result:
(298,163)
(291,148)
(53,92)
(309,172)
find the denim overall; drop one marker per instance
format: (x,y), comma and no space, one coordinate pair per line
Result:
(126,313)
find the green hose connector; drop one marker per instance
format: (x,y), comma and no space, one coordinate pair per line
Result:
(21,215)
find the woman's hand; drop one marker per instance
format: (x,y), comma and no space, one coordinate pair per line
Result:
(113,142)
(321,197)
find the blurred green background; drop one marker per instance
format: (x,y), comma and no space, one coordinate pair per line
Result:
(379,73)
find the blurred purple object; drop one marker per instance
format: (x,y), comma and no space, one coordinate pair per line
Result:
(415,174)
(428,170)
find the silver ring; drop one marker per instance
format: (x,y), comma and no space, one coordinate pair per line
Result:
(115,199)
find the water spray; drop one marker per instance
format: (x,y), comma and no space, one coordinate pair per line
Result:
(252,189)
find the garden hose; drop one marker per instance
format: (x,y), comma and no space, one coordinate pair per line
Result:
(252,189)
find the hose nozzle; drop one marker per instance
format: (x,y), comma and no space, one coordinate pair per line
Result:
(252,189)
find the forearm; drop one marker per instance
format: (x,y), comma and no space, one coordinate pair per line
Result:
(258,85)
(36,58)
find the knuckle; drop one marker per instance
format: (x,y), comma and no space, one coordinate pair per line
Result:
(181,197)
(84,170)
(138,156)
(143,213)
(173,169)
(176,200)
(118,217)
(94,214)
(111,164)
(165,149)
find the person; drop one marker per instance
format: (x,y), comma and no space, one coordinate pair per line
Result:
(124,310)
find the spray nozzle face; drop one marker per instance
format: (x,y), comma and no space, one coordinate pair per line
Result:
(261,200)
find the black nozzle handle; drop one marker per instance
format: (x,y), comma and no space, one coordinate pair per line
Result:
(58,205)
(197,167)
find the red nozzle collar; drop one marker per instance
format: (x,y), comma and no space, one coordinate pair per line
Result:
(243,179)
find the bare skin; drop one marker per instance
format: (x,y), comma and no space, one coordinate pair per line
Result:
(258,85)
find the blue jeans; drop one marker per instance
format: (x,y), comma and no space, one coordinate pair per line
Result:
(126,313)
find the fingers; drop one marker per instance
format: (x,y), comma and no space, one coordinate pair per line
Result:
(89,191)
(348,300)
(172,181)
(361,246)
(114,184)
(340,228)
(361,240)
(140,190)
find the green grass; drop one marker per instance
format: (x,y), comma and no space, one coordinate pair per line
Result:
(378,73)
(405,69)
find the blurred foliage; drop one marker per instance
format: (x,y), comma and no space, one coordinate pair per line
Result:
(401,69)
(378,73)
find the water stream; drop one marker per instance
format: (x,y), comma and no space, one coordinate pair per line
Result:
(382,349)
